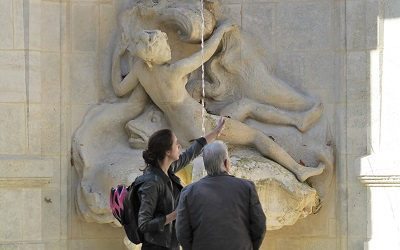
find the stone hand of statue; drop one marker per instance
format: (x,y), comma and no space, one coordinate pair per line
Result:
(123,44)
(226,26)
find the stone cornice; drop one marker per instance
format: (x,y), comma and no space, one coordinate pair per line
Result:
(380,180)
(380,170)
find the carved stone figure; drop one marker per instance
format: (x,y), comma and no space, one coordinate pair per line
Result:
(104,159)
(165,84)
(155,76)
(243,88)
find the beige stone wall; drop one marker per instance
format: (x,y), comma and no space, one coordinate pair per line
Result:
(304,42)
(55,63)
(34,160)
(49,74)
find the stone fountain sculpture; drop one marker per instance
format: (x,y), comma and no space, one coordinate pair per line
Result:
(155,74)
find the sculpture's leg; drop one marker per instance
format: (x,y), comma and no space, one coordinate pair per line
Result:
(140,98)
(246,108)
(278,93)
(240,134)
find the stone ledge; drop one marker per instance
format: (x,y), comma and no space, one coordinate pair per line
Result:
(380,170)
(380,180)
(25,172)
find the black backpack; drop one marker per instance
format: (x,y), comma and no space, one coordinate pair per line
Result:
(127,214)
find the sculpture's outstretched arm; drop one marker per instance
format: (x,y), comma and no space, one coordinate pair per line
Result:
(122,86)
(187,65)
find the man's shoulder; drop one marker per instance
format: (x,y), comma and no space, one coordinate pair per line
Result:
(231,180)
(194,185)
(227,178)
(249,182)
(237,179)
(244,182)
(189,187)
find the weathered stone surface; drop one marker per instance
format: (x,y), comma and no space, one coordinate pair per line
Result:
(15,82)
(30,168)
(27,24)
(103,161)
(261,16)
(50,129)
(361,24)
(6,22)
(51,26)
(50,78)
(51,206)
(34,68)
(34,129)
(10,217)
(303,25)
(12,129)
(32,214)
(84,26)
(32,247)
(84,78)
(24,220)
(12,82)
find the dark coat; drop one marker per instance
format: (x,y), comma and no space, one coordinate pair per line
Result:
(220,213)
(159,195)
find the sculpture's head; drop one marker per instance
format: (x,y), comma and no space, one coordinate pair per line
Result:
(152,46)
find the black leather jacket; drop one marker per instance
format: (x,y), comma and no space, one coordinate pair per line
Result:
(159,196)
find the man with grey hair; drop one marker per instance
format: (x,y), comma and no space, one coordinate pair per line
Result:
(220,211)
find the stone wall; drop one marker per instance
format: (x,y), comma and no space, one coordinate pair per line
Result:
(55,58)
(34,160)
(304,42)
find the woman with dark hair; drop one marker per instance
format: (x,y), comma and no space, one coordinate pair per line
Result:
(160,191)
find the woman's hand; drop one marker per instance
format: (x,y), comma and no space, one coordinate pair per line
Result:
(170,217)
(217,131)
